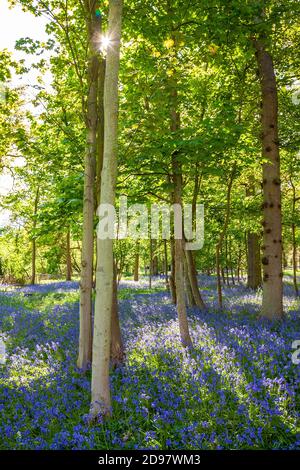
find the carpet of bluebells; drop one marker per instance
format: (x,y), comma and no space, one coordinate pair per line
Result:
(237,389)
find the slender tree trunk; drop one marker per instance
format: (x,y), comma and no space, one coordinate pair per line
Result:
(179,275)
(100,128)
(192,274)
(33,262)
(272,306)
(172,276)
(294,259)
(239,264)
(219,269)
(68,256)
(190,255)
(166,264)
(86,276)
(223,272)
(136,262)
(154,258)
(254,279)
(33,243)
(100,399)
(150,264)
(117,352)
(294,245)
(226,261)
(222,235)
(254,263)
(187,284)
(231,262)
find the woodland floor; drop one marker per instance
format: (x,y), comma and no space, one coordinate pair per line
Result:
(238,388)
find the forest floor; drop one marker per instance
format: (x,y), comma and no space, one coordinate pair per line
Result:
(237,389)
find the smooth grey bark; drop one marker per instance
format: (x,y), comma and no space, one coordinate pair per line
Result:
(86,276)
(100,396)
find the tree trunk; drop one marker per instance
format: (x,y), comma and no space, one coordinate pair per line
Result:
(223,272)
(187,284)
(221,237)
(294,260)
(272,306)
(190,255)
(154,259)
(219,272)
(172,276)
(86,276)
(253,261)
(254,279)
(150,264)
(33,243)
(179,276)
(68,256)
(231,262)
(294,245)
(166,264)
(239,264)
(117,352)
(226,261)
(33,262)
(100,129)
(100,399)
(136,262)
(192,274)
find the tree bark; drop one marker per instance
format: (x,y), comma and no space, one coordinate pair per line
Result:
(136,262)
(254,279)
(68,256)
(100,129)
(272,305)
(150,263)
(192,274)
(172,276)
(179,275)
(253,261)
(33,243)
(100,399)
(154,259)
(221,238)
(187,284)
(86,276)
(117,352)
(231,261)
(166,264)
(226,261)
(294,245)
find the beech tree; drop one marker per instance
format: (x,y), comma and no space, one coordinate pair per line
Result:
(272,239)
(93,22)
(100,400)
